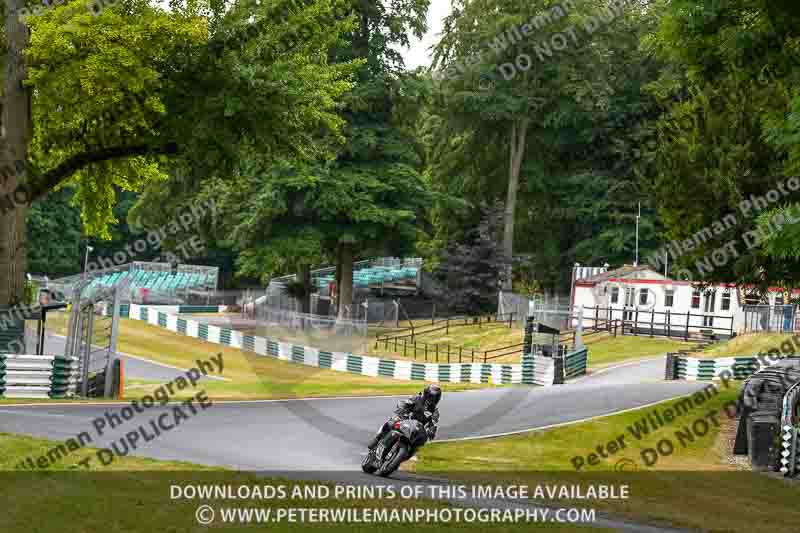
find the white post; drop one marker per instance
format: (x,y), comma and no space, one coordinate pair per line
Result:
(86,260)
(579,329)
(636,261)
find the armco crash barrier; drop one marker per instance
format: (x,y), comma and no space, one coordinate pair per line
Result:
(37,376)
(533,369)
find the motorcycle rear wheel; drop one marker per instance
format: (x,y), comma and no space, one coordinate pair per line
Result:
(392,463)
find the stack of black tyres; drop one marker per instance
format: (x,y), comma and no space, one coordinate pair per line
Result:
(759,408)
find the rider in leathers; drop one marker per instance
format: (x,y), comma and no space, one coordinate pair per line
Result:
(422,407)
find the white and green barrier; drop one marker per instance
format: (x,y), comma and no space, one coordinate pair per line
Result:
(790,432)
(37,376)
(534,369)
(575,363)
(683,367)
(124,309)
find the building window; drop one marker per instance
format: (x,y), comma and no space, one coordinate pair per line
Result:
(752,299)
(614,295)
(642,296)
(726,300)
(669,297)
(696,299)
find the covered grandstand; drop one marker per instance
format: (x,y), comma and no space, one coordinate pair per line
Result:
(384,275)
(155,283)
(402,276)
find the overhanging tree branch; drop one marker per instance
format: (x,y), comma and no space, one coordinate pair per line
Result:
(46,182)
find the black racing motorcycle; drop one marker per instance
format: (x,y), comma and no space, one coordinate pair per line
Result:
(398,445)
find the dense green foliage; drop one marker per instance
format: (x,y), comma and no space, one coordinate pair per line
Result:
(319,147)
(585,116)
(729,133)
(55,243)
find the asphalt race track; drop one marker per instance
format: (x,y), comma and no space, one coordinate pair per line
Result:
(329,434)
(324,439)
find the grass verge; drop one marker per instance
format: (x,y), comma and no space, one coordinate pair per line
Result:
(605,349)
(750,344)
(251,376)
(136,494)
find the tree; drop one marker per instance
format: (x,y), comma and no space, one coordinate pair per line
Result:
(122,99)
(274,96)
(727,135)
(573,195)
(377,191)
(354,184)
(469,269)
(63,117)
(500,89)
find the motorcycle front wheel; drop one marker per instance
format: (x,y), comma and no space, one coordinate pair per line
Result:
(367,464)
(398,454)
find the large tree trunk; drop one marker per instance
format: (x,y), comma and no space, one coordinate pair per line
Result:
(345,288)
(15,134)
(519,131)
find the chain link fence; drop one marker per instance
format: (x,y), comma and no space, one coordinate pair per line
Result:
(552,309)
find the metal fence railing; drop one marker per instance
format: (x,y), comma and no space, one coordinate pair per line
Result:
(780,318)
(304,328)
(445,353)
(659,323)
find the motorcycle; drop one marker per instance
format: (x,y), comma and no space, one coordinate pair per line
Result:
(398,445)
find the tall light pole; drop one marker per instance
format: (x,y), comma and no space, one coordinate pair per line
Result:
(86,260)
(638,216)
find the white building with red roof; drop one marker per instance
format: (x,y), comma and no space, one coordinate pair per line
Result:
(649,301)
